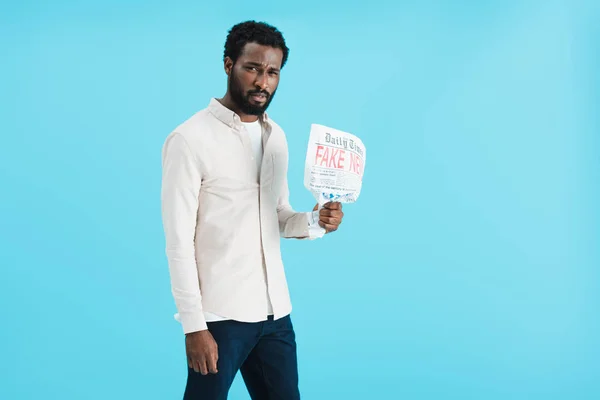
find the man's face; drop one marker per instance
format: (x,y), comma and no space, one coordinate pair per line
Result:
(254,78)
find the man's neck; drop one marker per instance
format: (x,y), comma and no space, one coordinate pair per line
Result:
(227,102)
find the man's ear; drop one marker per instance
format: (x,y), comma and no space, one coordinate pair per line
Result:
(228,65)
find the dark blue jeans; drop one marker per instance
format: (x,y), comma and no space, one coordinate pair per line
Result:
(264,353)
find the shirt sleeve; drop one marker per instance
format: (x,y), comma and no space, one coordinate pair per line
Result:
(181,181)
(292,224)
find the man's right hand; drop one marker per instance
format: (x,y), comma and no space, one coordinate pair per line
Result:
(202,352)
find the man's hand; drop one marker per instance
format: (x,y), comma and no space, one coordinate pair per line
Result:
(330,216)
(202,352)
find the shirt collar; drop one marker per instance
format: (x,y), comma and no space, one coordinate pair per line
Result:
(230,118)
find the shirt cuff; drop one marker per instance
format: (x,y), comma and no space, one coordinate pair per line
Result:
(192,322)
(314,230)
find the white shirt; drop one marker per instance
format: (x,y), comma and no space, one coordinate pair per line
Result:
(254,131)
(224,212)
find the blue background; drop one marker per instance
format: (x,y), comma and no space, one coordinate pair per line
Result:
(468,269)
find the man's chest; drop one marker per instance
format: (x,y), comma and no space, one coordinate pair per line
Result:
(235,160)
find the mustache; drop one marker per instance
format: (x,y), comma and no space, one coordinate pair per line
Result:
(258,91)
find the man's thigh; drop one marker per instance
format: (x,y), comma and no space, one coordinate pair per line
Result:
(271,369)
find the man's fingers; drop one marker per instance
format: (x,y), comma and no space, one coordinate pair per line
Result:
(330,221)
(212,365)
(213,357)
(325,212)
(211,360)
(331,228)
(202,366)
(331,213)
(196,365)
(333,205)
(328,227)
(199,364)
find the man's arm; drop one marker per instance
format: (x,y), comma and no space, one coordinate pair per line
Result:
(181,180)
(292,224)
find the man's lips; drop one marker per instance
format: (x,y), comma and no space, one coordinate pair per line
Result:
(259,97)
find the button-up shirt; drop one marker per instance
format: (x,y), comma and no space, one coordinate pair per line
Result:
(223,219)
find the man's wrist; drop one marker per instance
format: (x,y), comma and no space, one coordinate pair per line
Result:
(196,333)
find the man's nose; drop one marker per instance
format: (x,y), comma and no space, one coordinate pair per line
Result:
(262,81)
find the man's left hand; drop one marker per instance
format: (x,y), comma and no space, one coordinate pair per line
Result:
(330,216)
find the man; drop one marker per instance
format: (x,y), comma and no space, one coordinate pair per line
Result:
(225,205)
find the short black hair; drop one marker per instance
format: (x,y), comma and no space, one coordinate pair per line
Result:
(253,32)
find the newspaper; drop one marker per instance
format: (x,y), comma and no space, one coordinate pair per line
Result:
(334,167)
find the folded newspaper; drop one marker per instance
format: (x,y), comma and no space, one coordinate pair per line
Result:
(334,167)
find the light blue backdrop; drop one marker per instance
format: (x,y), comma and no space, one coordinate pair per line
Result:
(469,268)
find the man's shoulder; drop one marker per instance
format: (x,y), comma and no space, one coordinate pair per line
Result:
(195,124)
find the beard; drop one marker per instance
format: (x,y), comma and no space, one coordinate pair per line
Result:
(242,100)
